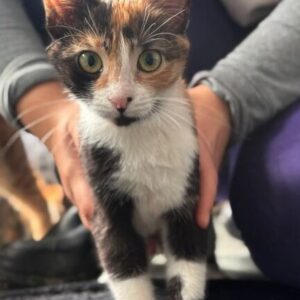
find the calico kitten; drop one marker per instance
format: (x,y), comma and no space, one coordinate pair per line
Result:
(123,62)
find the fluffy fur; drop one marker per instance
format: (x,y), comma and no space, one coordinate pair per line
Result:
(142,161)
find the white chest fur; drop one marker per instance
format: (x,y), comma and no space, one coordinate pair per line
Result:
(156,160)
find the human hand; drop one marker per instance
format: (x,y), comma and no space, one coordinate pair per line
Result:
(213,125)
(56,119)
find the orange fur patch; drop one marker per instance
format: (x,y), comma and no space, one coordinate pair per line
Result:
(122,12)
(59,6)
(164,76)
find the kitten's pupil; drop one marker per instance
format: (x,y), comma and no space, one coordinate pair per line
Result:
(91,61)
(149,59)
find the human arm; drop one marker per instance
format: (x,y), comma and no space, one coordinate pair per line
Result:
(29,88)
(49,99)
(248,13)
(214,129)
(257,80)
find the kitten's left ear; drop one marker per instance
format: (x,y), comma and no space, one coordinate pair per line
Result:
(178,12)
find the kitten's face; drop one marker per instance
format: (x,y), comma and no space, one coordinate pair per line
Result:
(119,57)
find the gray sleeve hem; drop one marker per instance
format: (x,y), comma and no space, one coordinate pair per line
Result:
(18,77)
(247,13)
(225,94)
(261,77)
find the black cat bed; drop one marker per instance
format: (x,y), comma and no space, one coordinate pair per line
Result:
(217,290)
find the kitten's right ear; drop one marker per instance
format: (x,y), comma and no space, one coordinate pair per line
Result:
(177,11)
(62,13)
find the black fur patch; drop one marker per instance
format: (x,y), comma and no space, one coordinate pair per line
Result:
(185,238)
(128,32)
(125,121)
(174,289)
(193,186)
(122,249)
(81,16)
(77,81)
(102,163)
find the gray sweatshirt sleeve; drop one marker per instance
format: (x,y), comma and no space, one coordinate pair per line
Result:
(246,12)
(23,61)
(261,76)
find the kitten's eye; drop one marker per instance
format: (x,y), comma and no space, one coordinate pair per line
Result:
(150,61)
(90,62)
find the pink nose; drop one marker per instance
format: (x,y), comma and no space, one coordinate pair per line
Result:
(120,104)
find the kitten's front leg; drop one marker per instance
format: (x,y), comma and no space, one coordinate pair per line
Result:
(122,250)
(186,247)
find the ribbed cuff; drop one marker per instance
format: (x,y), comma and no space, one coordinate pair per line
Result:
(206,78)
(18,77)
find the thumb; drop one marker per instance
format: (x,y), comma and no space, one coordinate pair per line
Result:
(83,198)
(208,189)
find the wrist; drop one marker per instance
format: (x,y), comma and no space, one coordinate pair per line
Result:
(213,120)
(45,109)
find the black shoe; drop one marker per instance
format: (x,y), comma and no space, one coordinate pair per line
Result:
(66,254)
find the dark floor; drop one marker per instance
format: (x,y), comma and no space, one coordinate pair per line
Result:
(217,290)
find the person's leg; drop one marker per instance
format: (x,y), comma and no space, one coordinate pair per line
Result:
(213,34)
(265,196)
(265,192)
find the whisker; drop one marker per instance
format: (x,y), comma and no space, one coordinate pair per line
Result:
(205,110)
(164,33)
(17,134)
(170,118)
(60,142)
(49,134)
(145,20)
(96,30)
(168,20)
(72,35)
(147,30)
(180,118)
(35,107)
(68,27)
(151,40)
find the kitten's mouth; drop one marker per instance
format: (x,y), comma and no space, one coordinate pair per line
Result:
(125,121)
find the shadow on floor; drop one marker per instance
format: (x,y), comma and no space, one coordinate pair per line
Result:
(217,290)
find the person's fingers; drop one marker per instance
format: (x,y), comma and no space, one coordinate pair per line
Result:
(73,179)
(208,189)
(83,199)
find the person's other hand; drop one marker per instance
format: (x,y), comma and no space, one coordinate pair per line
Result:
(55,122)
(214,129)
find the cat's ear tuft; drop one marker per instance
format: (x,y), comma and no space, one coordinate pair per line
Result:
(58,8)
(178,12)
(58,14)
(61,13)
